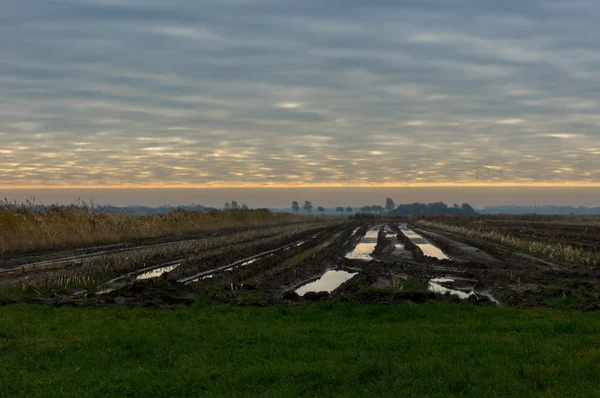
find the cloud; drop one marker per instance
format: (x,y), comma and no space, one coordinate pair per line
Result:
(564,136)
(511,121)
(290,105)
(267,92)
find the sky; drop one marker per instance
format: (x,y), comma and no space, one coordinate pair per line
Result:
(329,197)
(312,93)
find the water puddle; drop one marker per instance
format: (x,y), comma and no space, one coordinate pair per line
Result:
(365,247)
(442,280)
(435,287)
(330,281)
(230,269)
(155,273)
(362,251)
(427,248)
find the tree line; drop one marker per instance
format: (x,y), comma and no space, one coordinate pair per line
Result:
(391,208)
(432,208)
(306,206)
(235,206)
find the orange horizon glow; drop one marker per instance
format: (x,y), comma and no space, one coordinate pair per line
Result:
(566,184)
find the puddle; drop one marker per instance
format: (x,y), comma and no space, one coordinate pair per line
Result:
(365,247)
(439,289)
(362,251)
(442,280)
(391,235)
(230,269)
(330,281)
(155,273)
(427,248)
(355,231)
(434,286)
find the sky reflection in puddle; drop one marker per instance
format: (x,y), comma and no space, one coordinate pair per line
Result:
(330,281)
(427,248)
(155,273)
(365,247)
(439,289)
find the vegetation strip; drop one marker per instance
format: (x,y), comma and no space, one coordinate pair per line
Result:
(558,251)
(236,263)
(27,228)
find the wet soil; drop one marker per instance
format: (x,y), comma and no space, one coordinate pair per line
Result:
(396,272)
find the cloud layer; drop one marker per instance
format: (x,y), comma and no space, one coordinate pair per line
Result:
(281,92)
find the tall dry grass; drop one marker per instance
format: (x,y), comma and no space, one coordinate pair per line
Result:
(28,228)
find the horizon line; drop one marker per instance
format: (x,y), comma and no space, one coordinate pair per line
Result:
(296,186)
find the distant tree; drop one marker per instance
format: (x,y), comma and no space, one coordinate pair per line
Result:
(307,206)
(467,209)
(244,207)
(234,205)
(321,209)
(432,208)
(365,209)
(295,206)
(389,204)
(378,209)
(227,206)
(349,209)
(339,209)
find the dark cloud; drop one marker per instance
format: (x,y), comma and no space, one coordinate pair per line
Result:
(278,91)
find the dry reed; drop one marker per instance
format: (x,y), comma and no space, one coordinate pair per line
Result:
(28,228)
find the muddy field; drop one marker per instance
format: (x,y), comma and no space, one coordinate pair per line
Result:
(380,261)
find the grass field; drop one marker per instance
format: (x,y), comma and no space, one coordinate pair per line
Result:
(331,349)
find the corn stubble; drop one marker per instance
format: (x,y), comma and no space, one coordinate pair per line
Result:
(98,269)
(562,252)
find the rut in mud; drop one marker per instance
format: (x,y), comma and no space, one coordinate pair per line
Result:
(388,261)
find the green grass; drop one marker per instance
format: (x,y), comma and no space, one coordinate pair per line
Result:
(575,294)
(329,349)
